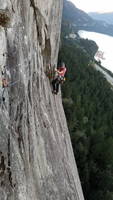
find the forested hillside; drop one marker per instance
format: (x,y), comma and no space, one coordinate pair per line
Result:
(107,17)
(78,19)
(88,104)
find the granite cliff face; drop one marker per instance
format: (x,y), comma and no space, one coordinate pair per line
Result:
(36,157)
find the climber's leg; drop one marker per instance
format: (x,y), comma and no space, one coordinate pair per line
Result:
(3,98)
(54,82)
(57,87)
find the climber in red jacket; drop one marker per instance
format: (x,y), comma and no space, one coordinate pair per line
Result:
(59,78)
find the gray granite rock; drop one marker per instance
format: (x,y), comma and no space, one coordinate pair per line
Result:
(36,157)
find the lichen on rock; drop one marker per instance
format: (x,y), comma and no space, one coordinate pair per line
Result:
(5,18)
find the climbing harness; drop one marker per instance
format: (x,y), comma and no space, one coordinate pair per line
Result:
(61,79)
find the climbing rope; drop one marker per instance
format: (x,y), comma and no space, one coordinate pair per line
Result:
(50,72)
(13,83)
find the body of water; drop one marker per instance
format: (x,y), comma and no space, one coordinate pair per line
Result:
(105,44)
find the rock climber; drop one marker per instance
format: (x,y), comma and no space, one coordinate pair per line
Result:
(4,86)
(4,83)
(59,78)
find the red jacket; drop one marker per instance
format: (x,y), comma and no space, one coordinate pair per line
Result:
(61,71)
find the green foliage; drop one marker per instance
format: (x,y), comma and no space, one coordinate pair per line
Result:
(88,104)
(4,18)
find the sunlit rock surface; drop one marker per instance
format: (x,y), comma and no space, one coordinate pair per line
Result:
(36,157)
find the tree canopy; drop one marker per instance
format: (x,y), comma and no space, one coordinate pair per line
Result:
(88,105)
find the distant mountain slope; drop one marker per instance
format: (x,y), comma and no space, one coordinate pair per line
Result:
(107,17)
(78,19)
(75,15)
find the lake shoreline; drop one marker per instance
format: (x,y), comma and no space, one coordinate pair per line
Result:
(105,44)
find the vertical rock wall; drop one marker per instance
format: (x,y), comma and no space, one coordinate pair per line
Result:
(36,158)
